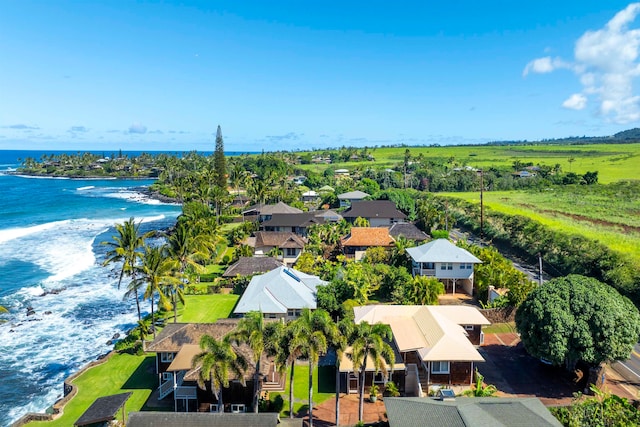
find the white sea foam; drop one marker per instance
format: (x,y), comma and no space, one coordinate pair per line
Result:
(15,233)
(88,187)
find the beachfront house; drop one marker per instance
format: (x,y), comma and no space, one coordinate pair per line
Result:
(446,262)
(175,347)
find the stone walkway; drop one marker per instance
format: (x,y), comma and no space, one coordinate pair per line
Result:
(325,413)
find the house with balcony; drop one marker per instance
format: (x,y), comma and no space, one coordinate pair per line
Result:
(175,347)
(434,346)
(288,245)
(446,262)
(281,293)
(379,213)
(299,223)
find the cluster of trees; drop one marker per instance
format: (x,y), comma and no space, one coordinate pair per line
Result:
(306,338)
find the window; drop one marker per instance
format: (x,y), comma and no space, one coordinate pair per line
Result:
(440,367)
(294,312)
(449,266)
(428,265)
(446,266)
(237,408)
(166,357)
(468,327)
(167,376)
(382,379)
(291,251)
(269,315)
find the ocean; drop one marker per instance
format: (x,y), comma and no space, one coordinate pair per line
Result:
(51,266)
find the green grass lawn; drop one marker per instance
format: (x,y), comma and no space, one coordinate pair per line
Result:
(500,328)
(206,308)
(323,388)
(121,373)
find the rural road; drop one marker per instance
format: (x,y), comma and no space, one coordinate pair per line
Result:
(630,368)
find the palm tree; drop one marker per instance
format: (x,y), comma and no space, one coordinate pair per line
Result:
(251,330)
(370,342)
(155,271)
(215,361)
(186,249)
(125,247)
(339,345)
(479,389)
(318,329)
(3,310)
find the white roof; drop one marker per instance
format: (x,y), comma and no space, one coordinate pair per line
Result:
(310,193)
(441,250)
(279,290)
(434,333)
(353,195)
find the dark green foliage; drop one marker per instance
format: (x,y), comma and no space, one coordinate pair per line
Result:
(578,319)
(219,161)
(604,409)
(440,234)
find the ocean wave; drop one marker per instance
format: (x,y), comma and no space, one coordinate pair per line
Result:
(88,187)
(15,233)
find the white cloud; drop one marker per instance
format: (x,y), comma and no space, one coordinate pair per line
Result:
(544,65)
(137,128)
(577,101)
(607,65)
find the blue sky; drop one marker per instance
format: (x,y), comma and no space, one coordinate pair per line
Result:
(283,75)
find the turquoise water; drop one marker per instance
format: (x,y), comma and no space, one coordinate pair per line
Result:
(50,240)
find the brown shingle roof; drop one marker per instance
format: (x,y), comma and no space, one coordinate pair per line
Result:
(368,236)
(248,266)
(373,209)
(281,239)
(408,230)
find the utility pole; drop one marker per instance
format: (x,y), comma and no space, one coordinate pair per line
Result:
(540,268)
(481,203)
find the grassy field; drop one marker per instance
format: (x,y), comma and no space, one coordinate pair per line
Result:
(324,386)
(122,373)
(597,212)
(613,162)
(206,308)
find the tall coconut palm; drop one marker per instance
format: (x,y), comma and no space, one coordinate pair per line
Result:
(339,345)
(155,271)
(370,342)
(215,361)
(318,329)
(186,249)
(251,331)
(126,247)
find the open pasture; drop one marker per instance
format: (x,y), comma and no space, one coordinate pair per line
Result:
(609,214)
(613,162)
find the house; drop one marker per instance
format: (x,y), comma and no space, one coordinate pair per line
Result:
(437,344)
(352,196)
(103,410)
(299,180)
(279,294)
(289,244)
(341,172)
(300,222)
(359,239)
(248,266)
(407,230)
(469,412)
(175,347)
(379,213)
(446,262)
(523,174)
(309,196)
(265,212)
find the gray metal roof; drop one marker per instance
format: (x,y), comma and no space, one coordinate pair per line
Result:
(353,195)
(279,290)
(201,419)
(103,409)
(469,412)
(441,250)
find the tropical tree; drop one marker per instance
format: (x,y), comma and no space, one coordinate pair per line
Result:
(251,330)
(3,310)
(339,345)
(126,247)
(155,271)
(479,389)
(423,290)
(577,318)
(186,249)
(317,330)
(370,342)
(215,361)
(219,161)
